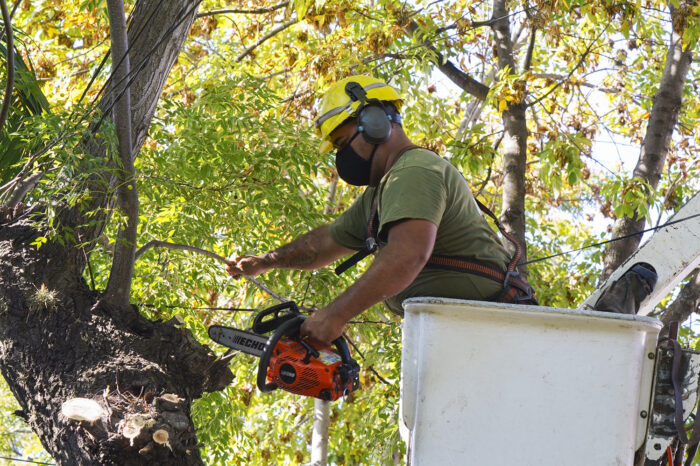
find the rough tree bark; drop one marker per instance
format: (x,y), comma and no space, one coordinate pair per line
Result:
(59,340)
(655,146)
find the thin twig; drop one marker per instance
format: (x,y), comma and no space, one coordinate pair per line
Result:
(181,247)
(255,11)
(213,255)
(573,70)
(267,36)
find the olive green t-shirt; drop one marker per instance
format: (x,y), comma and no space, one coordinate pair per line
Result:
(422,185)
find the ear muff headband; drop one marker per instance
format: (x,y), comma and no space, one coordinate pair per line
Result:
(373,122)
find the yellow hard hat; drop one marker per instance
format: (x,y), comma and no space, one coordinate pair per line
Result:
(336,105)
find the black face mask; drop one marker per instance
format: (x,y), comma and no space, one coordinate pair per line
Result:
(351,167)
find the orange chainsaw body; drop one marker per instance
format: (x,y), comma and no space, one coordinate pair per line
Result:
(293,369)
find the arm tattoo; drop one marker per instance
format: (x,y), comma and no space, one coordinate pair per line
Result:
(300,253)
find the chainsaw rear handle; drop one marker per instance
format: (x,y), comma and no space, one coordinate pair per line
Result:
(261,326)
(291,328)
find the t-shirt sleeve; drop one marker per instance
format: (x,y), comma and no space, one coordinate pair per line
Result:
(348,229)
(412,192)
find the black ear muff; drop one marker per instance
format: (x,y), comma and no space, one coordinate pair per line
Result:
(373,122)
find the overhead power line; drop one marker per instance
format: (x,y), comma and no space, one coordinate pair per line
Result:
(601,243)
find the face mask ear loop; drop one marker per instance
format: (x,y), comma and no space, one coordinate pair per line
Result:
(357,133)
(371,156)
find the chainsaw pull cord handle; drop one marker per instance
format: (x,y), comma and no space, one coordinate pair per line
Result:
(291,328)
(262,327)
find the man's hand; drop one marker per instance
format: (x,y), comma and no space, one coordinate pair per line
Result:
(323,326)
(246,265)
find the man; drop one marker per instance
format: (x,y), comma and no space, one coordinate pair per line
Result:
(417,208)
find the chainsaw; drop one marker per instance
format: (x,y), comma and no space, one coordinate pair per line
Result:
(290,362)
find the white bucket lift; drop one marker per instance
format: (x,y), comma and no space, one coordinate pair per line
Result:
(493,384)
(496,384)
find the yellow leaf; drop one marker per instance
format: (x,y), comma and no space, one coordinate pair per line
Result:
(502,105)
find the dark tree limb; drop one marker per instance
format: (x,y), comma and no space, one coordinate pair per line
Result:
(530,50)
(457,76)
(10,84)
(687,302)
(655,146)
(119,284)
(514,138)
(12,15)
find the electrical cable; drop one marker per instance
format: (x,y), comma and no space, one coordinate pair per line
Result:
(601,243)
(23,460)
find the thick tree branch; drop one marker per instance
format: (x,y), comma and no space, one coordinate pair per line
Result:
(9,86)
(655,146)
(22,188)
(12,15)
(119,284)
(264,38)
(687,302)
(243,11)
(457,76)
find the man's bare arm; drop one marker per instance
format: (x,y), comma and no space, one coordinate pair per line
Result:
(310,251)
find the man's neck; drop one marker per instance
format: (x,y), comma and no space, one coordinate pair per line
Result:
(388,154)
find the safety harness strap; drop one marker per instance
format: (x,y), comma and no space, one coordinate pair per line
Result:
(371,232)
(515,288)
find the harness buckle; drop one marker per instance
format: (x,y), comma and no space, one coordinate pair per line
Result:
(371,244)
(510,273)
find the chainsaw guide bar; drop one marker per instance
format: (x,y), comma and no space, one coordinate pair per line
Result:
(241,340)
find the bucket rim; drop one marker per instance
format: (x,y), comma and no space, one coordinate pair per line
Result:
(411,304)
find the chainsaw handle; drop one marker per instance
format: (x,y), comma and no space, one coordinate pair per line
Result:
(262,327)
(287,327)
(291,328)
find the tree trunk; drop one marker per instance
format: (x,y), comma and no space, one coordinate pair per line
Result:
(60,341)
(514,139)
(662,122)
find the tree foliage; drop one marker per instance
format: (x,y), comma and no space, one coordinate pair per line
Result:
(231,166)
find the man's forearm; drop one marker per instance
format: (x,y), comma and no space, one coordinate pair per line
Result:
(310,251)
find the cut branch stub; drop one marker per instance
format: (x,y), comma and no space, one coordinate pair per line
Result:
(82,409)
